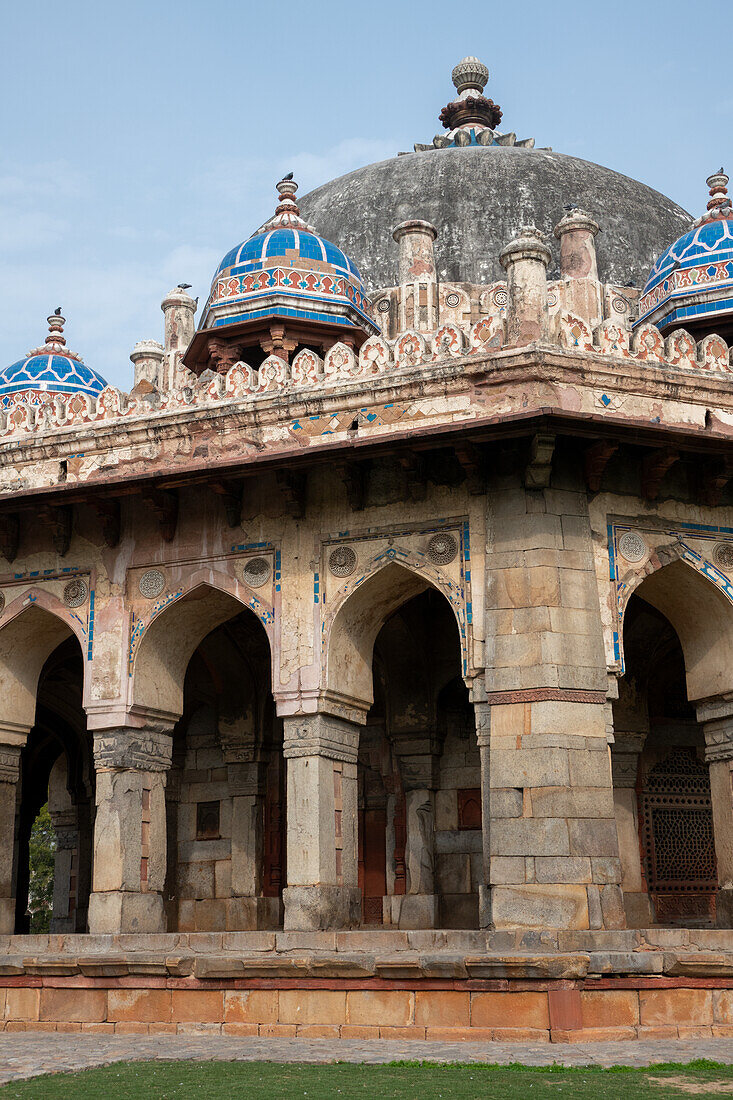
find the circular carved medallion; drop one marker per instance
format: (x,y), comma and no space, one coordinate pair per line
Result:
(552,298)
(442,548)
(256,572)
(619,305)
(452,299)
(151,583)
(75,593)
(724,555)
(632,546)
(501,297)
(383,306)
(342,561)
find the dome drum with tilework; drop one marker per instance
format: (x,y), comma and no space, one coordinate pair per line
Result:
(691,283)
(283,288)
(47,370)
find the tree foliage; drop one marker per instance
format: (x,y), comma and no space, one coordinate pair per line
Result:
(40,892)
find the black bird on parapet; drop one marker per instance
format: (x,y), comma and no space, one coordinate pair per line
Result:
(57,311)
(288,177)
(184,286)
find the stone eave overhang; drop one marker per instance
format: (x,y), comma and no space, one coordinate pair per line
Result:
(251,419)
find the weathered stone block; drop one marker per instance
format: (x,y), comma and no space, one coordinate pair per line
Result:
(562,868)
(384,1007)
(593,837)
(525,1010)
(540,906)
(526,836)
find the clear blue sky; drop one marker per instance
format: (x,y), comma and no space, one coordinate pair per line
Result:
(141,140)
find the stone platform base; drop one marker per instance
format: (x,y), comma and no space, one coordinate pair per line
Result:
(523,986)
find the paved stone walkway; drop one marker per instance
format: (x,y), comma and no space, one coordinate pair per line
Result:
(30,1054)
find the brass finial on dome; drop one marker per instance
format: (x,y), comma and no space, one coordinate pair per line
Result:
(470,75)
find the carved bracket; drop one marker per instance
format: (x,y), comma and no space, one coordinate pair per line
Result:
(59,522)
(109,512)
(653,468)
(231,493)
(714,475)
(473,465)
(595,459)
(539,468)
(414,467)
(292,485)
(9,536)
(353,475)
(165,505)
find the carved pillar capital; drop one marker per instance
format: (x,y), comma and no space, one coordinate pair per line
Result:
(9,763)
(320,735)
(147,749)
(716,716)
(625,758)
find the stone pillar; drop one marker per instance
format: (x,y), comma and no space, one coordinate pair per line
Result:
(576,233)
(130,839)
(525,261)
(148,357)
(625,755)
(9,775)
(418,759)
(716,715)
(554,858)
(417,275)
(580,292)
(322,858)
(247,786)
(482,712)
(179,310)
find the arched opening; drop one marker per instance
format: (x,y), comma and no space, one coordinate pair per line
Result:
(225,798)
(419,805)
(662,787)
(56,785)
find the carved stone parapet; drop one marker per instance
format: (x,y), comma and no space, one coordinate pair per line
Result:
(9,763)
(146,750)
(67,837)
(320,735)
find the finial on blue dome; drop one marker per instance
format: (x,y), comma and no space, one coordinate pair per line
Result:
(719,205)
(287,214)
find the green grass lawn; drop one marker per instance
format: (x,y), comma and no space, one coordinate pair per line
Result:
(416,1081)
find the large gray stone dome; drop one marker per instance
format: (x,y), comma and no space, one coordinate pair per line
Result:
(478,197)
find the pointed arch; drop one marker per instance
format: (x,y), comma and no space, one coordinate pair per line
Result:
(701,614)
(31,628)
(162,648)
(357,617)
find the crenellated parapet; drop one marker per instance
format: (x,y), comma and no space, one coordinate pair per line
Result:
(410,356)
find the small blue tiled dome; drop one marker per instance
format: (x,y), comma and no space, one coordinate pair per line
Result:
(286,270)
(693,279)
(49,369)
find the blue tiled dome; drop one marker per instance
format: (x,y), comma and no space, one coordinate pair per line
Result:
(282,242)
(693,278)
(286,270)
(49,369)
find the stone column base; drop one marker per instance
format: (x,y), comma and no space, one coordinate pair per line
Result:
(316,908)
(122,911)
(254,913)
(7,916)
(485,910)
(413,910)
(724,908)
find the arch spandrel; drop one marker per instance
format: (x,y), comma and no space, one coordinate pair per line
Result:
(353,623)
(31,628)
(165,645)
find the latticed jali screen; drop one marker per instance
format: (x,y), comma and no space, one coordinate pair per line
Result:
(677,833)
